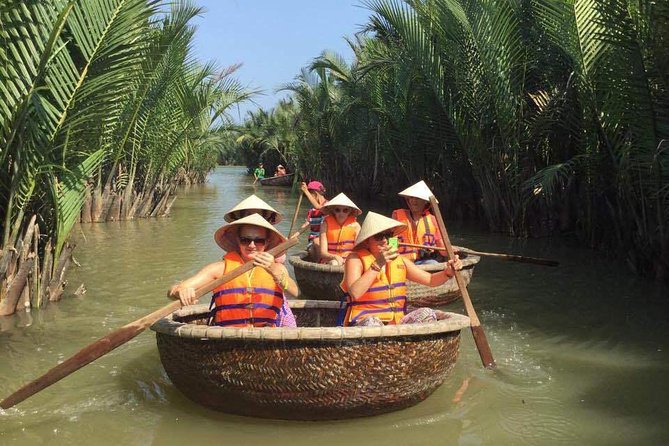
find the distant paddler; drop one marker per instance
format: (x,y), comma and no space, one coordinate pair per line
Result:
(258,173)
(255,298)
(421,225)
(375,278)
(339,229)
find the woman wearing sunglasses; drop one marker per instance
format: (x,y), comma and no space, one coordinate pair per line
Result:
(255,298)
(375,278)
(252,205)
(421,225)
(338,230)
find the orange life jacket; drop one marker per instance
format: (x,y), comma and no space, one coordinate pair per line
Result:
(252,299)
(341,238)
(386,298)
(426,230)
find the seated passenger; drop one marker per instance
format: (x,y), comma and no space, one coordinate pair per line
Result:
(252,205)
(375,278)
(280,171)
(253,299)
(338,230)
(421,225)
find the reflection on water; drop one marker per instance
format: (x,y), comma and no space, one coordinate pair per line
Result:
(582,349)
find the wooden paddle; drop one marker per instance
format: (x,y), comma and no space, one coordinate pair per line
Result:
(122,335)
(475,324)
(514,258)
(297,211)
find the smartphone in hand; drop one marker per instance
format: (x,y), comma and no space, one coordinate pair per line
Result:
(393,242)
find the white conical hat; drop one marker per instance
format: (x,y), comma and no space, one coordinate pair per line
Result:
(375,224)
(418,190)
(340,200)
(226,236)
(251,205)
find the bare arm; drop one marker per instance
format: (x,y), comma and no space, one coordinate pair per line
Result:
(291,286)
(310,196)
(185,291)
(417,275)
(325,254)
(357,281)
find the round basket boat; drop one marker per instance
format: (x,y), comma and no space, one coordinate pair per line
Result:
(315,372)
(319,281)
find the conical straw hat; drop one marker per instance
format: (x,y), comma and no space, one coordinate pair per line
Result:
(251,205)
(340,200)
(418,190)
(375,224)
(226,236)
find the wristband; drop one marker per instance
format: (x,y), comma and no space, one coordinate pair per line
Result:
(375,266)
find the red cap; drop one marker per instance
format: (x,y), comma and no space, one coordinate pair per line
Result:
(316,185)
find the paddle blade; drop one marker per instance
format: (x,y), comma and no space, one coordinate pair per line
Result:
(483,347)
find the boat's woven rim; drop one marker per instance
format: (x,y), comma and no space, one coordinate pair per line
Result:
(168,326)
(297,260)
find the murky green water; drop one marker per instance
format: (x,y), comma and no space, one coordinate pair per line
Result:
(582,349)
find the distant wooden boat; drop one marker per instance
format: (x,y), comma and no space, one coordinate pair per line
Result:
(315,372)
(319,281)
(283,180)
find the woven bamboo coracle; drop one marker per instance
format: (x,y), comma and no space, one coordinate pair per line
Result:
(306,373)
(322,281)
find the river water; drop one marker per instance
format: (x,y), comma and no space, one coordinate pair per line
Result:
(582,349)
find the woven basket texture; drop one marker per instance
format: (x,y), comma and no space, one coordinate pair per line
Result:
(307,378)
(318,281)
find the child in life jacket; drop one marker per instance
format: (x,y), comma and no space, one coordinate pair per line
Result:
(421,225)
(375,277)
(315,192)
(338,230)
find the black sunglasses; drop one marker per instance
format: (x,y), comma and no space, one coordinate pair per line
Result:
(247,241)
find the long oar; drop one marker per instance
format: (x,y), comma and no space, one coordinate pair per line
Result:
(475,324)
(119,337)
(297,211)
(514,258)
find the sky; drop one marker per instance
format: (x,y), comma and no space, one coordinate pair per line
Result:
(274,39)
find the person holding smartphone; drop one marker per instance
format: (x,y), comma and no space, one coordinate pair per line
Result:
(375,277)
(421,225)
(338,230)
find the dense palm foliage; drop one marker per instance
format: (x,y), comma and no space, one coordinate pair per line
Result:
(101,97)
(535,116)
